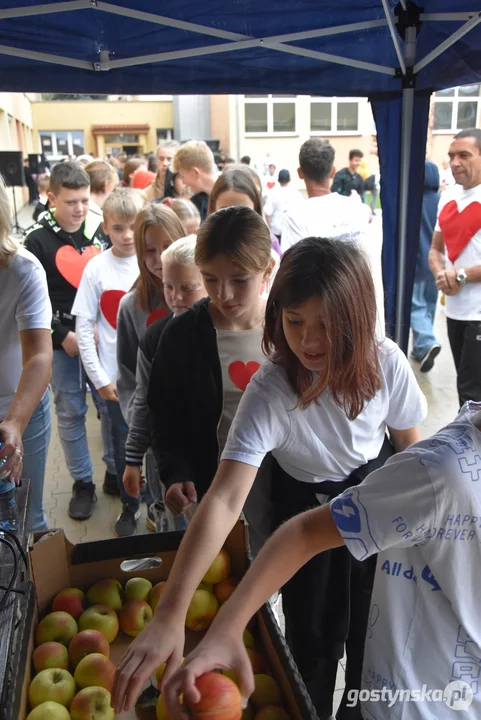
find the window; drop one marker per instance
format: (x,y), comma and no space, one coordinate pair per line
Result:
(58,144)
(335,116)
(456,108)
(270,114)
(164,134)
(121,138)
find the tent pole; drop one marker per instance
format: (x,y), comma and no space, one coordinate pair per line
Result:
(406,132)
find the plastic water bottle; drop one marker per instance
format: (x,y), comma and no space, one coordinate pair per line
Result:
(8,504)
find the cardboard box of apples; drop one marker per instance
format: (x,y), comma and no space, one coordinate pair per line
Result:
(92,598)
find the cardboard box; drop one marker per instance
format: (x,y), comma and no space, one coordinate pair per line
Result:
(56,564)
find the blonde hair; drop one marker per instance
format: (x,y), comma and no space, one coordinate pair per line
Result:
(43,183)
(184,209)
(123,202)
(155,214)
(195,153)
(181,252)
(101,173)
(8,247)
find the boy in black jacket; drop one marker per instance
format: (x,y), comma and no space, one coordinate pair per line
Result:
(64,241)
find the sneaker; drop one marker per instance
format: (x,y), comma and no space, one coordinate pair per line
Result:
(83,497)
(110,486)
(126,522)
(427,362)
(157,519)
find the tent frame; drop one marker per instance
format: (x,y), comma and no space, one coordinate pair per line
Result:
(405,25)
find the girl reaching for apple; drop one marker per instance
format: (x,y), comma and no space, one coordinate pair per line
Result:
(321,405)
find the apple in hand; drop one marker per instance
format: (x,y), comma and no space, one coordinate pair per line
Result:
(95,670)
(101,618)
(85,643)
(134,616)
(92,703)
(58,626)
(106,592)
(50,655)
(219,570)
(202,610)
(71,601)
(138,589)
(155,594)
(52,684)
(49,711)
(220,698)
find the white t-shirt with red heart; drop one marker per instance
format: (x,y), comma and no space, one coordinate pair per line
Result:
(459,221)
(240,355)
(105,281)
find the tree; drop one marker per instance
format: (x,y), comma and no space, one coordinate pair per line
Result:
(71,96)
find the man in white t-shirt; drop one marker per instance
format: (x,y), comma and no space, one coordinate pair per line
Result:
(324,214)
(282,199)
(455,261)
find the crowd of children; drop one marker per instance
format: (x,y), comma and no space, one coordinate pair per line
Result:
(245,384)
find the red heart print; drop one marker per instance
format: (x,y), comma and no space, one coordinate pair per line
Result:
(458,228)
(271,184)
(156,315)
(71,264)
(109,305)
(240,373)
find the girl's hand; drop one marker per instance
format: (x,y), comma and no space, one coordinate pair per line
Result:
(11,438)
(220,649)
(180,496)
(109,392)
(132,480)
(162,641)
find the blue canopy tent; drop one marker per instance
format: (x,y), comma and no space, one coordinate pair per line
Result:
(396,53)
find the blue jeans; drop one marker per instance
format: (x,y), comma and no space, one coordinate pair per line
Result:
(423,308)
(120,431)
(69,385)
(36,439)
(108,456)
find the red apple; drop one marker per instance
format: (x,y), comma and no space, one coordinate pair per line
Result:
(58,626)
(272,712)
(155,594)
(258,664)
(85,643)
(52,684)
(49,711)
(71,601)
(106,592)
(220,698)
(224,589)
(134,616)
(202,610)
(50,655)
(92,703)
(95,670)
(219,570)
(102,618)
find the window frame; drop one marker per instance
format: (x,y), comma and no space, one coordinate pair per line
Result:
(55,155)
(333,102)
(455,100)
(270,101)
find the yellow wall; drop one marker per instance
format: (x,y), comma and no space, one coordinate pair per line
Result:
(81,115)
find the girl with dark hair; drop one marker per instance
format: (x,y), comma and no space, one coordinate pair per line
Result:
(321,405)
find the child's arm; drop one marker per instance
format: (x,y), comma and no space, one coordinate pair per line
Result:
(127,347)
(138,439)
(293,545)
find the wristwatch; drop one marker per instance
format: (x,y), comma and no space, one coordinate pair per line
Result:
(461,277)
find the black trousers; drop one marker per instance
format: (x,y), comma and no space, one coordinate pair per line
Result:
(326,604)
(465,340)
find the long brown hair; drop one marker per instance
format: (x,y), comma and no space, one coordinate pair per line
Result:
(241,179)
(147,285)
(338,274)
